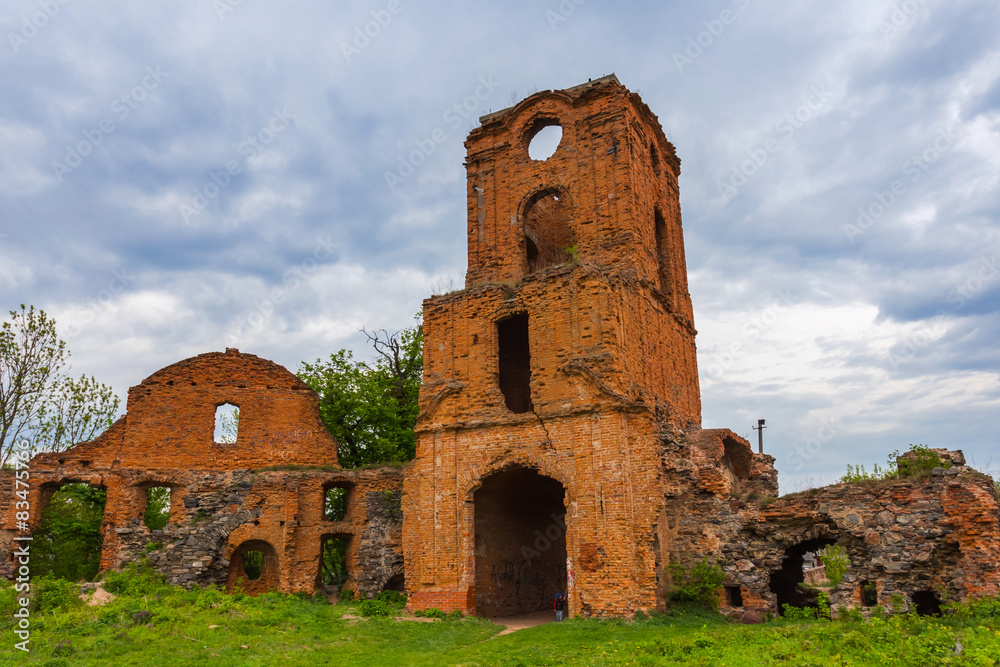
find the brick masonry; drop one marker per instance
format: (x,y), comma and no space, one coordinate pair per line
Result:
(559,441)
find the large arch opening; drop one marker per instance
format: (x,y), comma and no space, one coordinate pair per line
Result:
(254,566)
(548,234)
(520,542)
(788,582)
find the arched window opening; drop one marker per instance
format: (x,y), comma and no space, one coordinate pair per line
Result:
(335,502)
(227,424)
(253,567)
(157,514)
(515,362)
(548,236)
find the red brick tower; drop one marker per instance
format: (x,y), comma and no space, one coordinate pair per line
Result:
(549,378)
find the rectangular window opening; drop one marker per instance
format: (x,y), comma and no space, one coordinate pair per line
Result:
(157,513)
(335,503)
(734,596)
(515,362)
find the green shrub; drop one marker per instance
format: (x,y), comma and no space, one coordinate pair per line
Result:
(50,593)
(923,461)
(433,612)
(392,598)
(698,585)
(373,607)
(135,579)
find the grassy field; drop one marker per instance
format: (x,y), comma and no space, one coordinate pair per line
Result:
(150,624)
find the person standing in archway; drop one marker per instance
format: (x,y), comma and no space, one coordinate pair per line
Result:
(560,606)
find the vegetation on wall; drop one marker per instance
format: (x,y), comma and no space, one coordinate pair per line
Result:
(920,464)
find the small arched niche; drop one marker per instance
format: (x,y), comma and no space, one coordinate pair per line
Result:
(254,566)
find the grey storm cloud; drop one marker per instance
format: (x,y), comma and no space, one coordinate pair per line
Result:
(167,170)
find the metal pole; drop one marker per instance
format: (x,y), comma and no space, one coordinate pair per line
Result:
(760,435)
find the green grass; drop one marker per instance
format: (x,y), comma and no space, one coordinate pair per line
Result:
(152,624)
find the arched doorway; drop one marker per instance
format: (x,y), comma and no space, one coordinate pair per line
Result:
(254,564)
(520,542)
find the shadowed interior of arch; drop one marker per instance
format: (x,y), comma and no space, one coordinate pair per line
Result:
(547,230)
(520,542)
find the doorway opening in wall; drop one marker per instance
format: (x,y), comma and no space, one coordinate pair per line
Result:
(520,542)
(734,596)
(515,362)
(789,584)
(67,542)
(157,514)
(333,573)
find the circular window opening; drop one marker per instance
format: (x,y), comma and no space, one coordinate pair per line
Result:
(544,140)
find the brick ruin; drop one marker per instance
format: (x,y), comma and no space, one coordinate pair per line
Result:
(264,492)
(559,441)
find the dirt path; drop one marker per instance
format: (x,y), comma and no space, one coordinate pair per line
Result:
(522,621)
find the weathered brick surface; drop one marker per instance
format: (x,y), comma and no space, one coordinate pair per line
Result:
(559,441)
(265,491)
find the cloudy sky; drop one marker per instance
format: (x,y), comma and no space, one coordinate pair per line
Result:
(176,178)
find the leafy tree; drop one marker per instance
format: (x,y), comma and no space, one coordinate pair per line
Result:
(67,543)
(31,362)
(77,411)
(36,396)
(371,408)
(229,426)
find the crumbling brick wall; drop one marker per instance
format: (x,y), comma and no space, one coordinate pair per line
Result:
(265,490)
(937,536)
